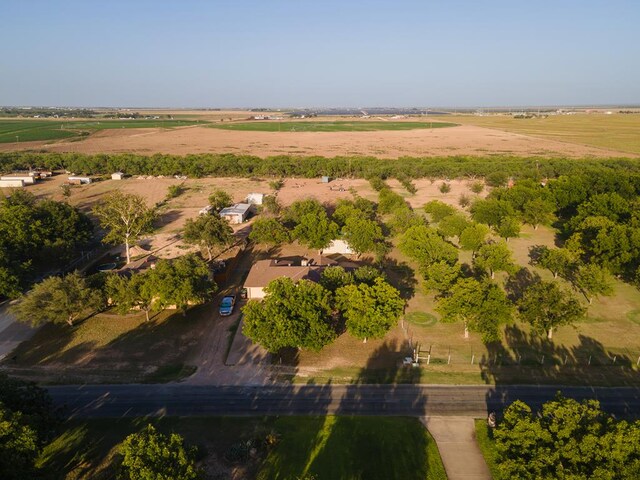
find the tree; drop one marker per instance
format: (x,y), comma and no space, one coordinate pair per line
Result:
(315,231)
(388,201)
(300,208)
(360,208)
(367,274)
(473,237)
(269,231)
(440,276)
(125,217)
(181,282)
(370,311)
(291,315)
(19,446)
(593,280)
(438,210)
(208,232)
(453,225)
(494,257)
(559,261)
(545,306)
(219,199)
(481,306)
(509,227)
(271,205)
(57,299)
(402,219)
(491,211)
(150,455)
(363,235)
(334,277)
(538,212)
(136,291)
(424,245)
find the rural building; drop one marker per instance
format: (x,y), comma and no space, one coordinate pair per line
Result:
(117,176)
(340,247)
(326,179)
(12,183)
(255,198)
(206,210)
(236,214)
(79,180)
(27,179)
(264,271)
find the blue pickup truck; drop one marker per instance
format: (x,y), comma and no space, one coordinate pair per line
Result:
(226,305)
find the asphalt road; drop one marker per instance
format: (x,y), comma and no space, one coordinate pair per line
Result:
(85,401)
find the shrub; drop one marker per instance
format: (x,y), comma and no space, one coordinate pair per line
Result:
(444,187)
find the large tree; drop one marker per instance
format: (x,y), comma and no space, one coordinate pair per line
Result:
(424,245)
(559,261)
(269,231)
(363,235)
(494,257)
(291,315)
(59,300)
(545,306)
(125,217)
(128,293)
(219,199)
(370,311)
(473,237)
(593,280)
(151,455)
(482,307)
(334,277)
(315,231)
(440,276)
(538,211)
(438,210)
(208,232)
(19,448)
(509,227)
(453,225)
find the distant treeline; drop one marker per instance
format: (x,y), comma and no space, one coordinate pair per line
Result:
(233,165)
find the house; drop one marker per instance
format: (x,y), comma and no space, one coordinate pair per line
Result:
(12,183)
(236,214)
(255,198)
(340,247)
(79,180)
(117,176)
(27,179)
(264,271)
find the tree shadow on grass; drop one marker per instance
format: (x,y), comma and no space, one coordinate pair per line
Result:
(401,276)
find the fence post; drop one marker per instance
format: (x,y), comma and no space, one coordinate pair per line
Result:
(428,358)
(638,362)
(615,357)
(472,358)
(589,359)
(449,360)
(565,359)
(542,360)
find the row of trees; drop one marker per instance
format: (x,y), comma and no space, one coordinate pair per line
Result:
(177,283)
(566,440)
(209,164)
(36,236)
(309,315)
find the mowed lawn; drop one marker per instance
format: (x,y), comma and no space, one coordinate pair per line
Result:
(109,348)
(305,126)
(616,132)
(27,130)
(332,448)
(603,349)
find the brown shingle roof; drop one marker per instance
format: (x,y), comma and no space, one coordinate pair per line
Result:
(263,271)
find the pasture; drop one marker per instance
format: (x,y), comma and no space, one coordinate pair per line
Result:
(340,126)
(27,130)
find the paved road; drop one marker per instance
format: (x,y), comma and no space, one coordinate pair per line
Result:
(185,400)
(12,332)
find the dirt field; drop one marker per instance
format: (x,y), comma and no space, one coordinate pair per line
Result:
(461,140)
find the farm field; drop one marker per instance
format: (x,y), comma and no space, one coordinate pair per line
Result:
(305,447)
(417,142)
(617,131)
(21,130)
(337,126)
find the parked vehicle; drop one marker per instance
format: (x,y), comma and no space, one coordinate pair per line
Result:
(226,305)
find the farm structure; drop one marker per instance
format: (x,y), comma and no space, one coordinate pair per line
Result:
(117,176)
(12,183)
(264,271)
(26,179)
(340,247)
(237,214)
(255,198)
(79,180)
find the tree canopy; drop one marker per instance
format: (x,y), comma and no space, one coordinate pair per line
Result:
(493,257)
(219,199)
(424,245)
(208,232)
(269,231)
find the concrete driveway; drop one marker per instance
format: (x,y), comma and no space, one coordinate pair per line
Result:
(12,332)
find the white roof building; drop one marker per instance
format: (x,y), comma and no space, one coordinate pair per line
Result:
(236,214)
(117,176)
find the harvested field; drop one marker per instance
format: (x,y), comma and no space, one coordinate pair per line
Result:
(460,140)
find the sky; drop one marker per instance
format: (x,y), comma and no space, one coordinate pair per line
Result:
(323,53)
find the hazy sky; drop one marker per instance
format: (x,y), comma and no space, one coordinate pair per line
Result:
(298,53)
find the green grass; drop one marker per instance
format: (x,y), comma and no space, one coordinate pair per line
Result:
(487,447)
(330,447)
(362,126)
(423,319)
(32,130)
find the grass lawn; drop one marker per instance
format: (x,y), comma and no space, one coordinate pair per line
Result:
(110,348)
(616,132)
(31,130)
(487,446)
(303,126)
(308,447)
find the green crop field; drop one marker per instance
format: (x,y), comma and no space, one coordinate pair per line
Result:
(17,131)
(363,126)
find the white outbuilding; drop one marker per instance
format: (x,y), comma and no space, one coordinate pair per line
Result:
(117,176)
(13,183)
(255,198)
(338,246)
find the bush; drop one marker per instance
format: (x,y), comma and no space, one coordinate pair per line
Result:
(444,187)
(497,179)
(276,184)
(477,187)
(464,201)
(378,184)
(175,191)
